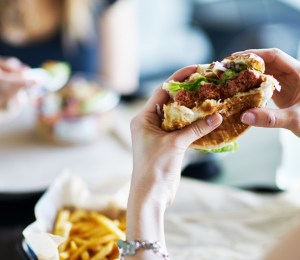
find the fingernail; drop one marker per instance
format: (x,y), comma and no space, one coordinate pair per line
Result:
(248,118)
(213,120)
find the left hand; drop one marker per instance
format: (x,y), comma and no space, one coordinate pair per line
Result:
(157,154)
(157,160)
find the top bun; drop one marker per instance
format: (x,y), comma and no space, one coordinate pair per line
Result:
(252,60)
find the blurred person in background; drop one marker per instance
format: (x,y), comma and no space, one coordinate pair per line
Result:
(92,36)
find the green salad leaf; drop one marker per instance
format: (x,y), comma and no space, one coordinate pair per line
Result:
(230,73)
(175,86)
(228,148)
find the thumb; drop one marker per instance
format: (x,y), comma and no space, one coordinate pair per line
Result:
(199,129)
(271,118)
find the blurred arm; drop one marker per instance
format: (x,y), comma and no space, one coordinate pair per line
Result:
(287,248)
(119,46)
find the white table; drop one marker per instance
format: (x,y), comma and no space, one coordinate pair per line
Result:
(27,164)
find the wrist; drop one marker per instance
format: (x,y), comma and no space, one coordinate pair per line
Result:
(145,219)
(155,185)
(145,222)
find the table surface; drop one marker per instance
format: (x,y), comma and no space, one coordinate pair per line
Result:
(29,164)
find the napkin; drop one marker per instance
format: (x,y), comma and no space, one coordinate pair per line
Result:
(209,221)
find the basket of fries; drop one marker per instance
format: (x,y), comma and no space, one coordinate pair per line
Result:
(72,223)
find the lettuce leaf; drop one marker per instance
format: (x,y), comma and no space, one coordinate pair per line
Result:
(174,86)
(228,148)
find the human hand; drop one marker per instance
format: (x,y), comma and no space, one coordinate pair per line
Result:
(157,159)
(157,154)
(11,79)
(287,71)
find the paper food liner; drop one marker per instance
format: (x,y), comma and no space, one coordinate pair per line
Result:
(67,190)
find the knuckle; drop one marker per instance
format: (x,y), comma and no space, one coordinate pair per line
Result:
(199,130)
(271,120)
(176,142)
(276,51)
(295,118)
(135,123)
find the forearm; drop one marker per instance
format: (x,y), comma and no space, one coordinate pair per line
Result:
(3,103)
(119,47)
(145,222)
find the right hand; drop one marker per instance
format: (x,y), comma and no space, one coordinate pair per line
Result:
(11,79)
(287,71)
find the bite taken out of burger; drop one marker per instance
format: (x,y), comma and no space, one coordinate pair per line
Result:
(229,87)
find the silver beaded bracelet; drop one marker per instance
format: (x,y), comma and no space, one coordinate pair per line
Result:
(129,248)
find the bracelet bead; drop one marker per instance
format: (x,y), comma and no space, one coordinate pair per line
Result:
(130,248)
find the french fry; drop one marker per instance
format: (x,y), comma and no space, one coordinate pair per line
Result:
(85,255)
(78,252)
(62,226)
(105,251)
(108,225)
(98,231)
(73,246)
(89,235)
(78,215)
(114,254)
(64,255)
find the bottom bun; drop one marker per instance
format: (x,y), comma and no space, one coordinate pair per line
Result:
(231,109)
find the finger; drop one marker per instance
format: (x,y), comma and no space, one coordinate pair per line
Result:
(275,59)
(9,91)
(161,96)
(12,65)
(198,129)
(183,73)
(270,118)
(15,77)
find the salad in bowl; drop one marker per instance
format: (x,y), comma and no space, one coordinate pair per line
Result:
(76,113)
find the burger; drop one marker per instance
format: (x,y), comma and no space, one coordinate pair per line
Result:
(229,87)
